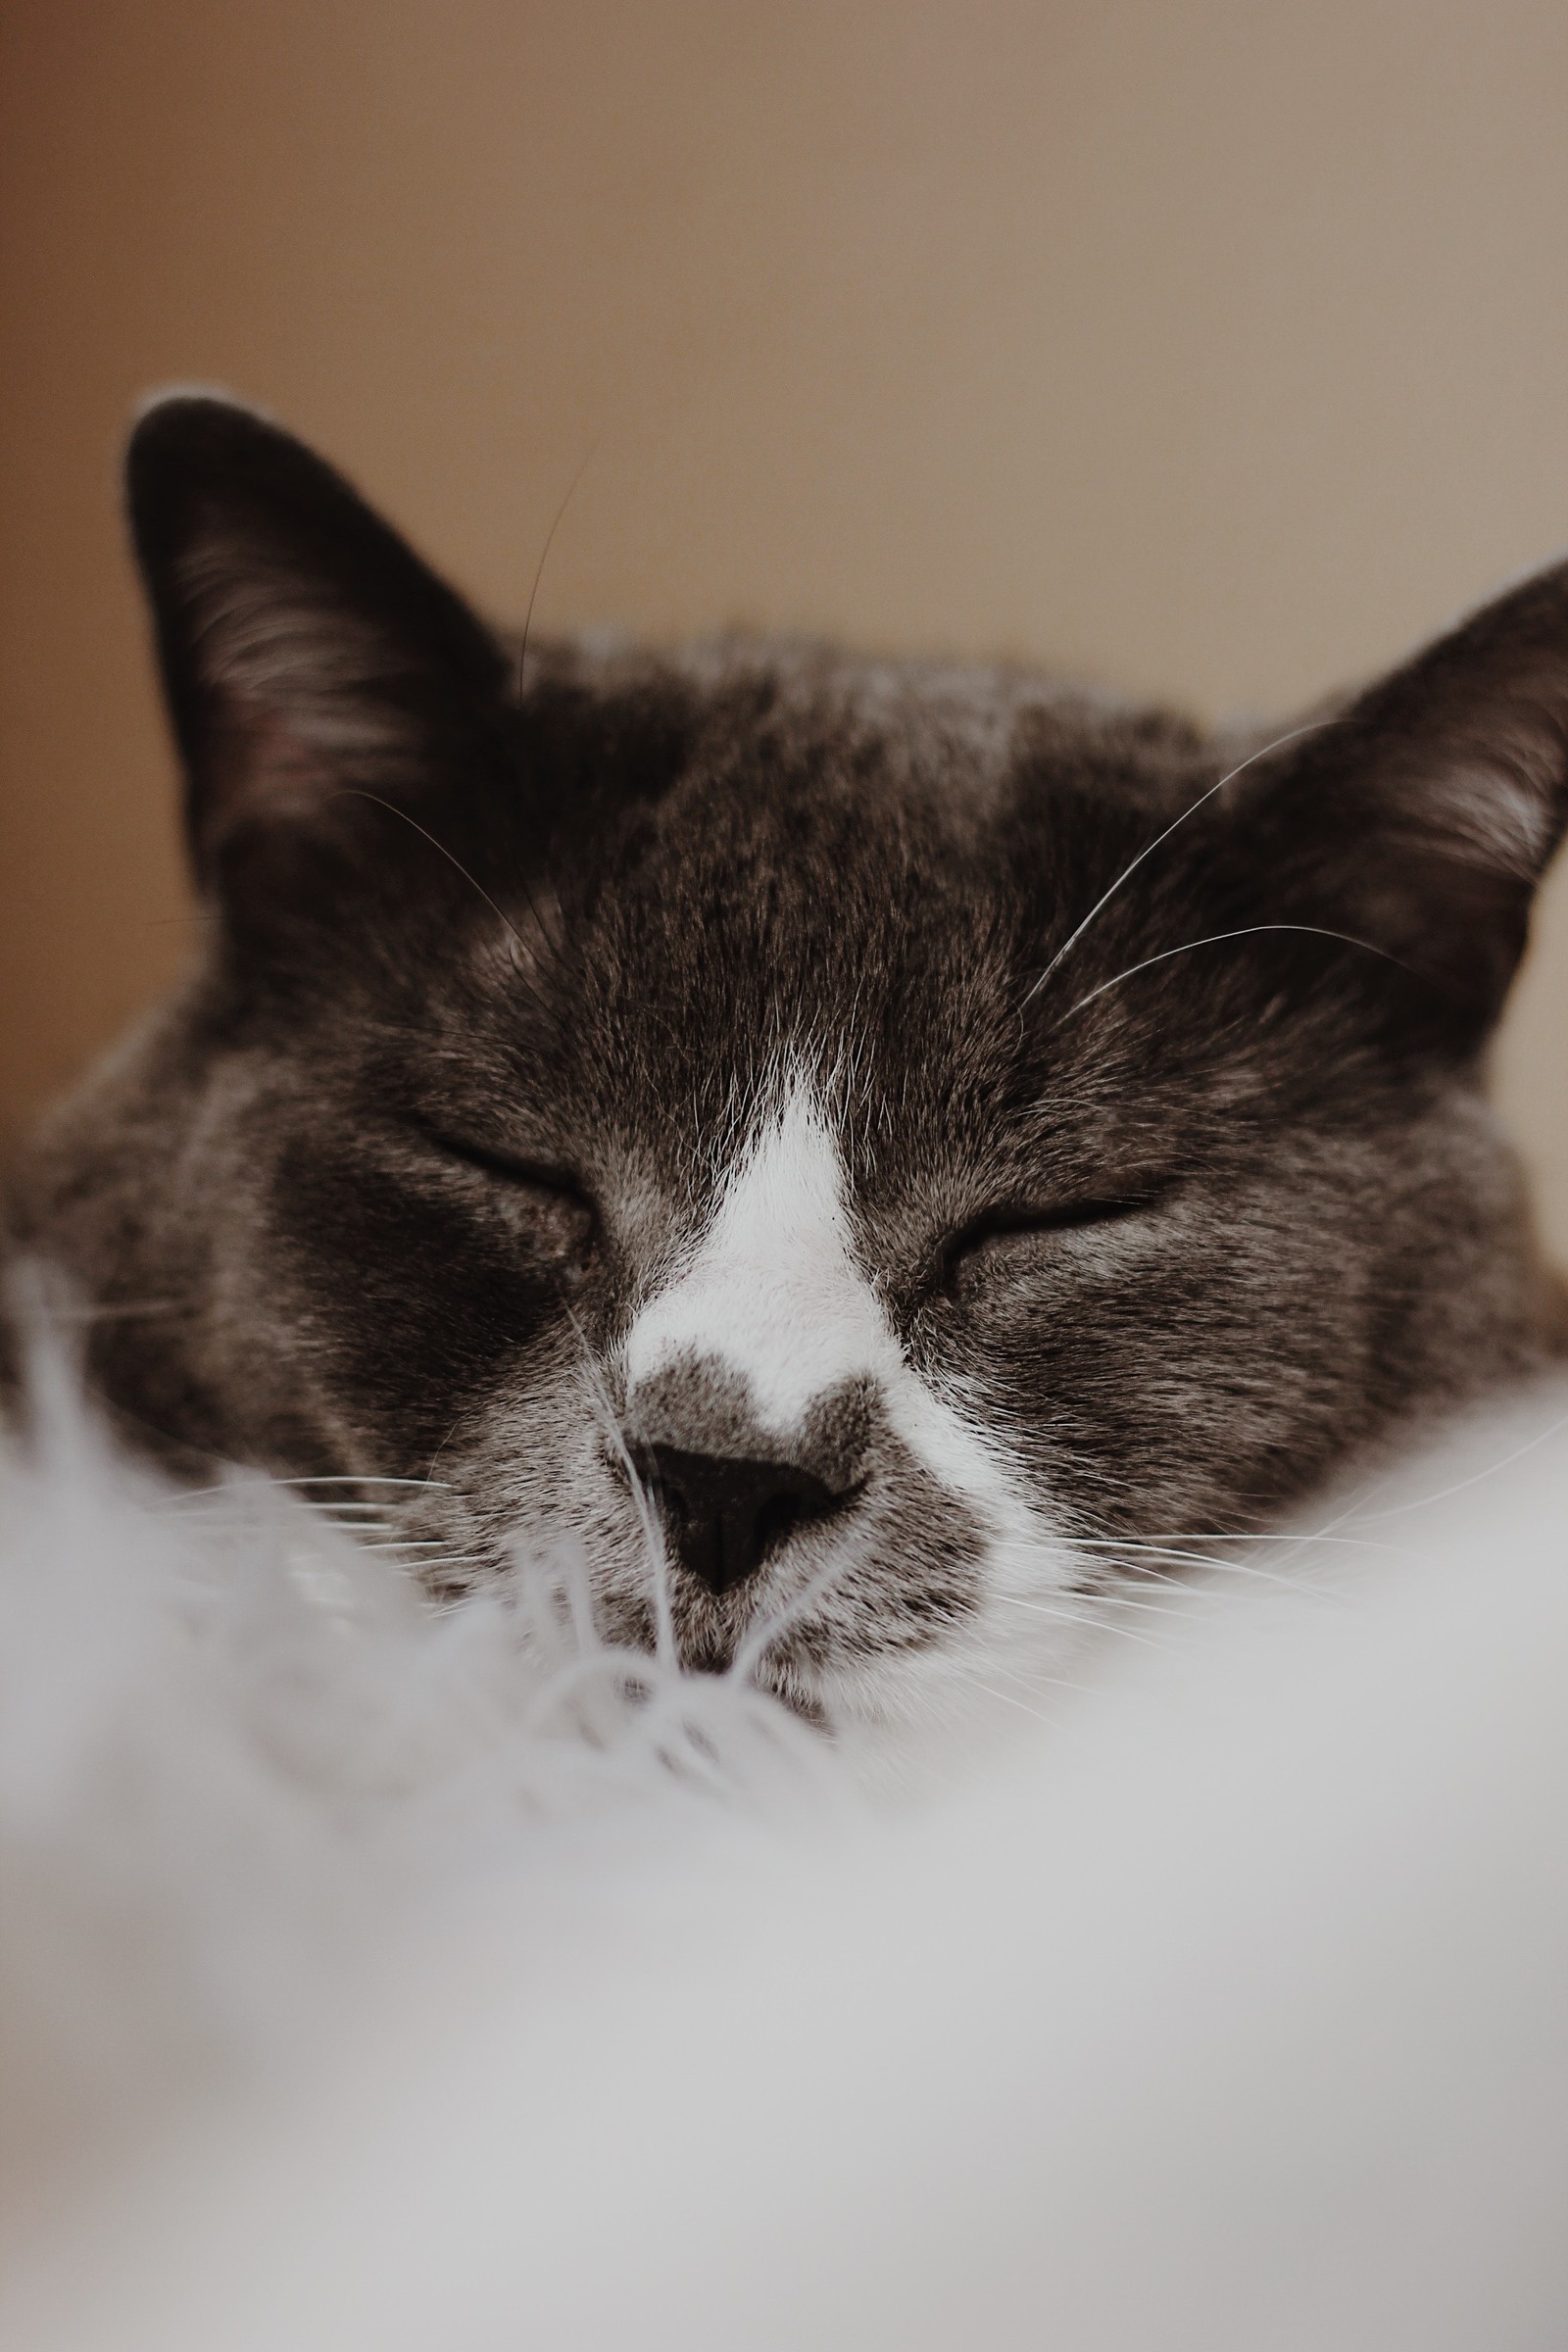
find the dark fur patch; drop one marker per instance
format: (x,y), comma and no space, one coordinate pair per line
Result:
(1030,951)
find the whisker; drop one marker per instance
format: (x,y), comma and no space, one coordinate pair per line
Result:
(429,1477)
(408,1543)
(1131,1556)
(356,792)
(231,1488)
(1217,939)
(1312,727)
(1238,1568)
(1187,1554)
(1460,1486)
(1043,1682)
(1191,1596)
(360,1478)
(1265,1535)
(652,1536)
(764,1630)
(1050,1608)
(1088,1622)
(589,453)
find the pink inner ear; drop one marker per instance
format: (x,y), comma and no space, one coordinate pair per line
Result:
(271,641)
(1490,816)
(262,762)
(303,700)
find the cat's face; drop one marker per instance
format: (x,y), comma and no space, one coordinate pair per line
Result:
(865,1152)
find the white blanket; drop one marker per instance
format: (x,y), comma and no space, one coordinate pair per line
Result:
(376,1979)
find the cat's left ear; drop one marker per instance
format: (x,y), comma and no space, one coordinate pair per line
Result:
(307,651)
(1421,817)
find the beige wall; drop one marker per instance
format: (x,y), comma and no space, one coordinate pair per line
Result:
(1218,349)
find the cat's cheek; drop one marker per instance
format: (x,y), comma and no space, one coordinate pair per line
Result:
(524,1470)
(380,1278)
(1014,1275)
(1222,1390)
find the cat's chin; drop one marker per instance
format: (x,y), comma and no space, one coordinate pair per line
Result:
(905,1720)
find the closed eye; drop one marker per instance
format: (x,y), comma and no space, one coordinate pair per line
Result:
(549,1206)
(1001,1233)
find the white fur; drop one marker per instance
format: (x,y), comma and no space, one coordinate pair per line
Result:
(774,1293)
(773,1287)
(378,1979)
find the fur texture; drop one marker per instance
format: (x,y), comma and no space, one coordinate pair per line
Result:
(872,1153)
(376,1974)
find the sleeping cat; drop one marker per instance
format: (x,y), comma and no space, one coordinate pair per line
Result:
(870,1150)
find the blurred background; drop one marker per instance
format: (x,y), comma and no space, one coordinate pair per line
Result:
(1215,350)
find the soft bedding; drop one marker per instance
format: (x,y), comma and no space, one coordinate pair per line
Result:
(377,1976)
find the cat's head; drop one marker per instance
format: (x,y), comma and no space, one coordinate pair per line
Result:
(863,1146)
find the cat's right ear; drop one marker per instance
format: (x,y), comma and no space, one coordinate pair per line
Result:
(307,655)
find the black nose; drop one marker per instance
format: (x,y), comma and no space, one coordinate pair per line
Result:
(724,1512)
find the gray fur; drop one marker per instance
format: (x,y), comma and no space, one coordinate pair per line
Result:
(517,953)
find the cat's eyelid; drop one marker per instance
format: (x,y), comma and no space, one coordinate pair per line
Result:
(1066,1215)
(519,1169)
(1084,1209)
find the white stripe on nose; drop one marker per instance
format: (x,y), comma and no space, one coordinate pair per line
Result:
(773,1289)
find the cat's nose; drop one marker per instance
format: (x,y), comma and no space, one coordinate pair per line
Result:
(727,1512)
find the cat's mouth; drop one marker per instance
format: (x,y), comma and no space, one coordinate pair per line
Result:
(797,1665)
(759,1564)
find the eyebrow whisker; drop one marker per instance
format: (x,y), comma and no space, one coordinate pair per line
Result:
(1215,939)
(1312,727)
